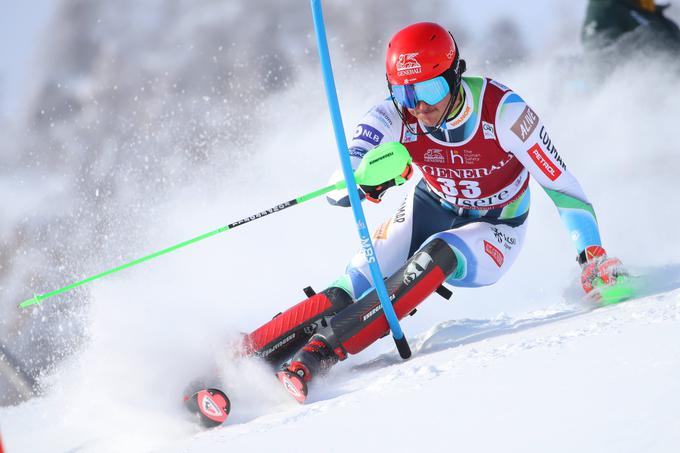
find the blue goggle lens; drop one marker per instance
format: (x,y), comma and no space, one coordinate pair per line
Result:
(430,91)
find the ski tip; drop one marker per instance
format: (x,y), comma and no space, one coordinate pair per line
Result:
(211,405)
(293,384)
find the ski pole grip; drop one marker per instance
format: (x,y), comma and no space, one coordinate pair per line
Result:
(403,347)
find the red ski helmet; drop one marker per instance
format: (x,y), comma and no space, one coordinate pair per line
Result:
(420,52)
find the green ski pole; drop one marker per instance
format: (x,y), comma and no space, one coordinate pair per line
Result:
(380,165)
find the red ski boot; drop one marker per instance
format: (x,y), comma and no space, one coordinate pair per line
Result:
(316,357)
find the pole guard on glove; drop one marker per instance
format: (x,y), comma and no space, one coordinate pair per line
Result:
(375,193)
(597,269)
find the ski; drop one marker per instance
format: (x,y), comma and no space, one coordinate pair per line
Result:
(293,384)
(210,405)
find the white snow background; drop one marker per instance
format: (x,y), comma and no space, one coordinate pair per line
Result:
(513,367)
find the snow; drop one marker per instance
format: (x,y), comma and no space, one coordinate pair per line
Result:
(519,366)
(562,381)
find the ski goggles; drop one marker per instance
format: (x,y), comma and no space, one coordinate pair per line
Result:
(430,92)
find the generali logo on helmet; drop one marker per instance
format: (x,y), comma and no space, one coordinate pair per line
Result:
(407,64)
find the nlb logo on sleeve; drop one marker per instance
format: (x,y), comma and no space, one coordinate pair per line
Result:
(368,134)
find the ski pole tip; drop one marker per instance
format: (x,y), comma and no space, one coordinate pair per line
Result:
(35,300)
(403,347)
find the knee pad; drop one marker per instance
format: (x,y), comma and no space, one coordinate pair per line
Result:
(362,323)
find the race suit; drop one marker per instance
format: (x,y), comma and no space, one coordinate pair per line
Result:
(474,190)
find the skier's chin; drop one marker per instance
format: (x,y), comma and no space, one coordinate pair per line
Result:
(430,120)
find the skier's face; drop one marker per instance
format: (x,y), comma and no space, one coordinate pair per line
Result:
(428,114)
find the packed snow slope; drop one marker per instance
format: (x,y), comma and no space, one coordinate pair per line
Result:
(519,366)
(554,380)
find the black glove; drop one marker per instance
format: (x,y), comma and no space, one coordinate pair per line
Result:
(375,193)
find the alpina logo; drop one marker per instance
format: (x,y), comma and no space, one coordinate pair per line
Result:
(451,53)
(407,64)
(525,124)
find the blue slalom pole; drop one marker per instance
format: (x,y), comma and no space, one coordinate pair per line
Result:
(364,235)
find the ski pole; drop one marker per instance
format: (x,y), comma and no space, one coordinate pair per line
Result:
(384,163)
(364,235)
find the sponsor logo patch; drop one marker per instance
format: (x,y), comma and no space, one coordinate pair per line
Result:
(545,138)
(261,214)
(209,407)
(594,251)
(467,157)
(368,134)
(382,115)
(355,151)
(381,232)
(500,85)
(291,388)
(400,216)
(472,156)
(489,131)
(462,117)
(544,163)
(526,124)
(367,249)
(456,157)
(407,136)
(435,156)
(371,312)
(502,238)
(495,254)
(407,64)
(277,346)
(419,264)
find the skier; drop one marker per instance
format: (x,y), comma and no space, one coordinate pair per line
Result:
(476,143)
(607,21)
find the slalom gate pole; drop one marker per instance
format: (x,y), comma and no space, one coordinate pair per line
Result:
(364,235)
(38,298)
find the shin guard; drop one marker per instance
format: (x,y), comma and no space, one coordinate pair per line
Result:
(362,323)
(287,332)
